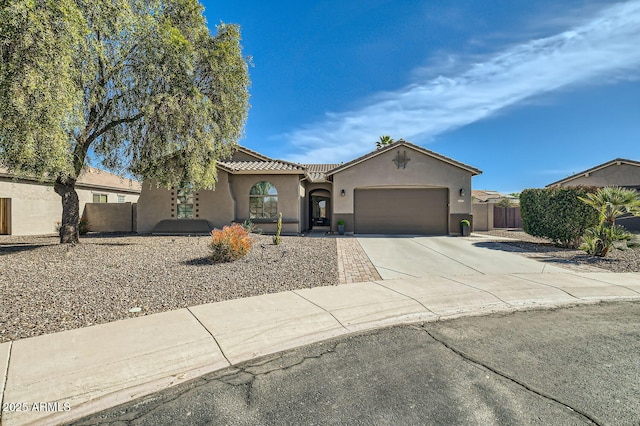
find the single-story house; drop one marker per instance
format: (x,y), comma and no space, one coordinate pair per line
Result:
(31,207)
(619,172)
(492,197)
(399,189)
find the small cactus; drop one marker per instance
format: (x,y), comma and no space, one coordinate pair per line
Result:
(276,238)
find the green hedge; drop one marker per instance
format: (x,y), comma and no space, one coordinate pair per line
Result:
(557,214)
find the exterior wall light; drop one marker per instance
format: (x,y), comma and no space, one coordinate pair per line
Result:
(342,193)
(462,192)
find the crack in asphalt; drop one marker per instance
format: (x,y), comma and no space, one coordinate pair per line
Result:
(589,418)
(244,375)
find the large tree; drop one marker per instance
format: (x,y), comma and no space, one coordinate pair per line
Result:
(141,85)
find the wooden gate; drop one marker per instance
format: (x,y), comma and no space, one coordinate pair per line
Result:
(5,216)
(506,217)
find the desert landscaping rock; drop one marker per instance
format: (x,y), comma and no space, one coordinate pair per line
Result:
(627,260)
(46,287)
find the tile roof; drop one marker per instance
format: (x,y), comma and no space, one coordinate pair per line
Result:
(486,195)
(318,172)
(261,166)
(394,145)
(593,169)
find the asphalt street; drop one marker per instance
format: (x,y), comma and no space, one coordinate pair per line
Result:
(577,365)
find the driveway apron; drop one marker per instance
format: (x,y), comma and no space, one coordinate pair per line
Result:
(424,256)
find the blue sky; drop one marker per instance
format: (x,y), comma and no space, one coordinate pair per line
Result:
(527,91)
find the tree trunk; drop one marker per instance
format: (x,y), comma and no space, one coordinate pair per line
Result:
(69,232)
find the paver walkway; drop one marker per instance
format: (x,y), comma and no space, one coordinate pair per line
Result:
(354,265)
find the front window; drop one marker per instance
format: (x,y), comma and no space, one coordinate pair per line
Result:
(185,201)
(99,198)
(263,201)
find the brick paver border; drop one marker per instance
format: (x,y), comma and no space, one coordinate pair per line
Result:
(354,266)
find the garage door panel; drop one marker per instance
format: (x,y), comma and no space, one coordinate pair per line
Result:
(401,211)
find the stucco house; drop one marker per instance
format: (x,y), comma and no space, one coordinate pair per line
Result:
(31,207)
(399,189)
(618,172)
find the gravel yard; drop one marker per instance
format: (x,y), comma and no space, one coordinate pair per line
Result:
(46,287)
(542,249)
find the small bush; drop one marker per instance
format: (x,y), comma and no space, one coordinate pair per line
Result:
(251,227)
(229,244)
(557,214)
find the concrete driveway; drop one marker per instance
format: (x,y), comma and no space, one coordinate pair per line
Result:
(424,256)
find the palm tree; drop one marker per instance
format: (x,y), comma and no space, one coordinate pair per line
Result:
(611,203)
(384,141)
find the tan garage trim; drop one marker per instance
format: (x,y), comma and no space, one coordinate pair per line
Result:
(401,211)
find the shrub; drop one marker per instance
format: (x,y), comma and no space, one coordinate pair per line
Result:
(251,227)
(229,244)
(610,203)
(557,214)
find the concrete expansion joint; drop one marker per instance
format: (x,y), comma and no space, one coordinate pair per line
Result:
(315,304)
(3,385)
(589,418)
(210,334)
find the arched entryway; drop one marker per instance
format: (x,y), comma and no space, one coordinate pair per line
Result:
(320,209)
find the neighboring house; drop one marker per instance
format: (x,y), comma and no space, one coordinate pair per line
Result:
(492,197)
(619,172)
(400,189)
(31,207)
(490,211)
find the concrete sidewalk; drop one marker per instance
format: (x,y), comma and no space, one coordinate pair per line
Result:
(60,377)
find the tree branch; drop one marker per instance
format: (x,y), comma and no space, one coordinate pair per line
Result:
(113,124)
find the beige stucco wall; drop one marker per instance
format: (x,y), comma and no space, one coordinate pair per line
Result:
(229,202)
(35,207)
(154,205)
(288,187)
(217,206)
(614,175)
(483,216)
(421,171)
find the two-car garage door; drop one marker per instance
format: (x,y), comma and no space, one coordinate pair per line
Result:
(401,211)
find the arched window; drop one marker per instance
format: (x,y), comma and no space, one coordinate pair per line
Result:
(263,201)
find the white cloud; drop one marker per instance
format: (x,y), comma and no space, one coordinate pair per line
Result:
(602,50)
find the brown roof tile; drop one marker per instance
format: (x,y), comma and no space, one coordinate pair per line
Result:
(261,166)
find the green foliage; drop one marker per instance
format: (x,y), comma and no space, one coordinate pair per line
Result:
(505,202)
(465,222)
(598,240)
(142,83)
(229,244)
(251,227)
(610,203)
(384,141)
(557,214)
(340,222)
(276,238)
